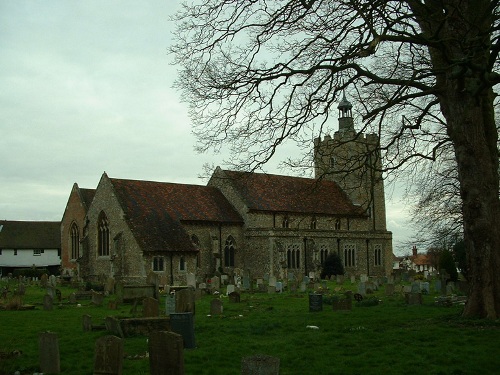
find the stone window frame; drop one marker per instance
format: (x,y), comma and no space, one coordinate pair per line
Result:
(286,222)
(337,224)
(323,253)
(314,223)
(293,256)
(229,251)
(158,264)
(182,264)
(74,235)
(196,242)
(377,255)
(349,255)
(103,235)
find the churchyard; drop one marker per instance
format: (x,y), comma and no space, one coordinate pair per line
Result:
(343,326)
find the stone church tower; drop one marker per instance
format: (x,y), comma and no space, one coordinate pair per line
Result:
(353,161)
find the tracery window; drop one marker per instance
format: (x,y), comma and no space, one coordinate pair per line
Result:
(75,241)
(103,235)
(229,250)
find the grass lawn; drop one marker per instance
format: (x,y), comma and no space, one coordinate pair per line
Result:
(389,338)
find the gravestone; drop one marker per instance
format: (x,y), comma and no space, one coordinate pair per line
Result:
(342,304)
(279,287)
(169,304)
(166,353)
(48,347)
(271,289)
(293,287)
(272,281)
(260,282)
(110,286)
(44,280)
(191,280)
(184,301)
(234,297)
(303,286)
(415,287)
(224,279)
(389,289)
(413,298)
(315,302)
(425,287)
(230,289)
(407,289)
(247,284)
(48,302)
(108,356)
(216,307)
(362,289)
(312,275)
(450,288)
(306,280)
(52,281)
(72,298)
(87,323)
(51,291)
(437,286)
(363,278)
(260,365)
(97,298)
(150,308)
(291,276)
(113,325)
(266,277)
(353,279)
(215,283)
(340,279)
(183,324)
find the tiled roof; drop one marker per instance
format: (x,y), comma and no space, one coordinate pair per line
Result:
(421,259)
(87,196)
(30,234)
(268,192)
(155,210)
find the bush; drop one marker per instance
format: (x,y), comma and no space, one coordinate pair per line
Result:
(332,266)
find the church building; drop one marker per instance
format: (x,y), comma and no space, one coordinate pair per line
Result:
(263,223)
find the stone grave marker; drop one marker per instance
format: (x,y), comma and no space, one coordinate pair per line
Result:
(293,286)
(260,365)
(44,280)
(183,324)
(342,304)
(150,308)
(216,307)
(230,289)
(407,289)
(52,281)
(48,347)
(413,298)
(340,279)
(272,281)
(247,284)
(271,289)
(215,283)
(363,278)
(260,282)
(72,298)
(113,326)
(312,275)
(97,298)
(450,288)
(415,287)
(353,279)
(389,289)
(87,323)
(184,301)
(306,280)
(303,286)
(279,287)
(234,297)
(169,304)
(48,302)
(266,277)
(315,302)
(362,289)
(110,285)
(166,353)
(291,276)
(437,286)
(108,356)
(51,291)
(425,287)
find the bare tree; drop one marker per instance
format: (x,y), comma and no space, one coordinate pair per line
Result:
(257,73)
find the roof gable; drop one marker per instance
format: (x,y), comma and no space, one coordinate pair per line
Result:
(268,192)
(30,234)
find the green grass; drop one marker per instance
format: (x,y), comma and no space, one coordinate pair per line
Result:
(389,338)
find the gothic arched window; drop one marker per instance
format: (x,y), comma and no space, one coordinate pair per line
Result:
(103,235)
(229,249)
(75,241)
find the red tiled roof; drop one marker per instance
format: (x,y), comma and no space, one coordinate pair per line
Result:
(421,259)
(30,234)
(155,210)
(268,192)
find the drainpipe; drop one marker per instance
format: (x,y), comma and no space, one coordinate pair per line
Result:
(171,269)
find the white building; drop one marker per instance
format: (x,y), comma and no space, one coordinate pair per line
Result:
(26,244)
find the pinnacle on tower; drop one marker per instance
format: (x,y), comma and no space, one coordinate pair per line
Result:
(346,122)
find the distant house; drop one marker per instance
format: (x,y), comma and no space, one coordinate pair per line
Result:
(418,262)
(25,244)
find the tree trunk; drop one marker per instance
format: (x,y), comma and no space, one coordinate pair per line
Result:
(461,33)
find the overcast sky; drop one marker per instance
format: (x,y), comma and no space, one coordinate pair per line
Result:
(86,87)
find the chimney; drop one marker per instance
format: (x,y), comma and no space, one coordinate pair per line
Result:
(414,250)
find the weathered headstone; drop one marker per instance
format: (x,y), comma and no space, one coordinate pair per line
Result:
(215,283)
(191,280)
(413,298)
(363,278)
(271,289)
(353,279)
(362,289)
(97,298)
(230,289)
(306,280)
(424,287)
(113,326)
(44,280)
(340,279)
(437,286)
(48,346)
(216,307)
(184,301)
(260,365)
(72,298)
(415,287)
(150,308)
(272,281)
(169,304)
(315,302)
(247,284)
(87,323)
(110,285)
(389,289)
(234,297)
(52,281)
(108,356)
(48,302)
(166,353)
(279,287)
(342,304)
(303,286)
(407,289)
(183,324)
